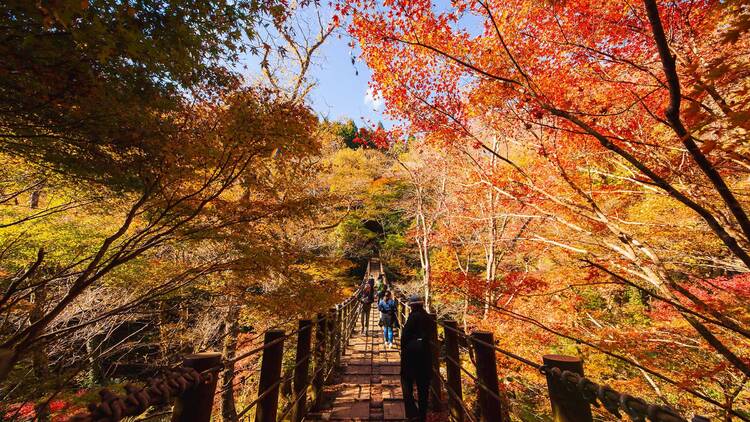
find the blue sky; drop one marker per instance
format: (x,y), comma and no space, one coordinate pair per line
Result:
(342,90)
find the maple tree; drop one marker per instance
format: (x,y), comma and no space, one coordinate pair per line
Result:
(571,175)
(147,195)
(623,128)
(88,87)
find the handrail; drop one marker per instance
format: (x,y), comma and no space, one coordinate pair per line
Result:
(267,345)
(579,387)
(158,391)
(623,359)
(263,394)
(459,400)
(494,346)
(193,385)
(183,381)
(326,367)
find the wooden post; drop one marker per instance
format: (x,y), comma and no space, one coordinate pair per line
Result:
(435,384)
(347,319)
(344,327)
(270,373)
(400,313)
(568,405)
(353,314)
(301,369)
(331,337)
(356,310)
(452,362)
(337,336)
(195,404)
(491,408)
(320,359)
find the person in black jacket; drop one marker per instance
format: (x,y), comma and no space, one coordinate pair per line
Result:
(416,360)
(366,297)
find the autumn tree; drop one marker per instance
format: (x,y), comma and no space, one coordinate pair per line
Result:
(621,156)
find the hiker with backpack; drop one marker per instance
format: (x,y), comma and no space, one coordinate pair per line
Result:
(366,297)
(416,360)
(388,320)
(371,283)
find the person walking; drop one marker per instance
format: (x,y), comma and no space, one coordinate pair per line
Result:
(371,283)
(366,297)
(381,287)
(416,360)
(387,308)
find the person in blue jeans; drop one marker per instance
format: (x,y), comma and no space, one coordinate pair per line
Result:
(387,308)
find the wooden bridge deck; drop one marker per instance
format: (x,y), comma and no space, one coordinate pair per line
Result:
(367,387)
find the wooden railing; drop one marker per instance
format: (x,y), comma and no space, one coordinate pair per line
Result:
(571,394)
(191,387)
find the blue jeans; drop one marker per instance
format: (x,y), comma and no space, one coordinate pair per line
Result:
(388,334)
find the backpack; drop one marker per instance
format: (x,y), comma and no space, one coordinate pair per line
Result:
(366,294)
(381,286)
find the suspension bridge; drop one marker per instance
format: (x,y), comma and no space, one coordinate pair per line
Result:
(342,374)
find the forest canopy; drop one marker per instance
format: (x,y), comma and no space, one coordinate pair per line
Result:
(572,176)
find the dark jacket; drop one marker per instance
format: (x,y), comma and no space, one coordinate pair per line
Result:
(367,296)
(416,350)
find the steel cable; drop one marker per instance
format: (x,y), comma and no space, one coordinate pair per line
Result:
(455,396)
(262,395)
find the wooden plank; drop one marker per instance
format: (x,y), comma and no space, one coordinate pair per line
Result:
(358,369)
(353,410)
(389,369)
(393,410)
(363,379)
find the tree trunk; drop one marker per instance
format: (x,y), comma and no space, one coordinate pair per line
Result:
(489,269)
(96,374)
(34,198)
(424,250)
(491,261)
(426,277)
